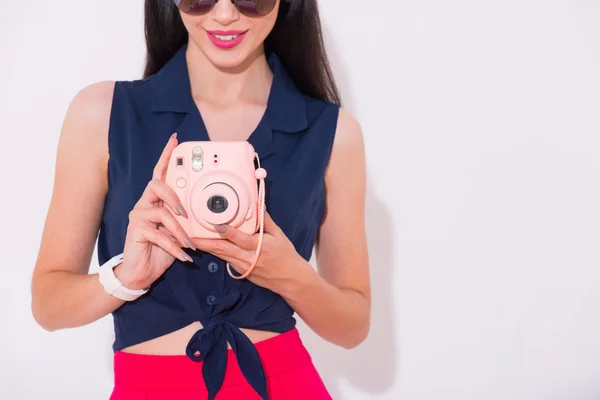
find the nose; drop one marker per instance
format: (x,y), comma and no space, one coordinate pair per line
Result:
(225,12)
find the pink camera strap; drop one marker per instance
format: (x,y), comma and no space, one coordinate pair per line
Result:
(261,174)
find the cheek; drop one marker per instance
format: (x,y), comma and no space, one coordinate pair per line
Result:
(192,23)
(263,27)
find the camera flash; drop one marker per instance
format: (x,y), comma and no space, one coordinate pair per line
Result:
(197,158)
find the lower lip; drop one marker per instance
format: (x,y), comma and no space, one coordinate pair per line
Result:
(226,44)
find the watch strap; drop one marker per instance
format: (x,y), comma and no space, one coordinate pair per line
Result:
(111,283)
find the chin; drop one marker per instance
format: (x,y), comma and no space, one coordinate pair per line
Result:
(231,58)
(227,59)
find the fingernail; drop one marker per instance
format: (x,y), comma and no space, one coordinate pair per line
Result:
(181,211)
(174,135)
(221,228)
(189,244)
(186,256)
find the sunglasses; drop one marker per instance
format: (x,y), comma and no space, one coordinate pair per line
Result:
(248,8)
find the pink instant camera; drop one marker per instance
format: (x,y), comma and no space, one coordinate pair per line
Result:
(216,182)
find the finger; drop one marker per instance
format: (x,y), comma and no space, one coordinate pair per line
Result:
(154,236)
(158,191)
(220,248)
(160,169)
(161,216)
(164,230)
(241,239)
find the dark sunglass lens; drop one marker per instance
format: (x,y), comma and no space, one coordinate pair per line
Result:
(195,7)
(255,8)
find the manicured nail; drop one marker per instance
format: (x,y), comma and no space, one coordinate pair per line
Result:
(181,211)
(185,256)
(189,244)
(173,135)
(221,228)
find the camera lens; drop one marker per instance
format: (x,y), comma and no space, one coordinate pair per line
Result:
(217,204)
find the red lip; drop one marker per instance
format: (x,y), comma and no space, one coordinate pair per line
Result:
(226,44)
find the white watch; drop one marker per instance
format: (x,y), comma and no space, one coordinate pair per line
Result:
(112,285)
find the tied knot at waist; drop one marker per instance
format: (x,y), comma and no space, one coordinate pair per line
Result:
(209,344)
(205,339)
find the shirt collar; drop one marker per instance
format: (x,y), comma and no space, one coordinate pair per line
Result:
(286,106)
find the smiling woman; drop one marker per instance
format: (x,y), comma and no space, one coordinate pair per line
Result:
(258,23)
(253,71)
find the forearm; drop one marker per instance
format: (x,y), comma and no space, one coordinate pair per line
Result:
(339,315)
(66,300)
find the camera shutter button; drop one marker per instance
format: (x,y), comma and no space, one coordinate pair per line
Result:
(181,183)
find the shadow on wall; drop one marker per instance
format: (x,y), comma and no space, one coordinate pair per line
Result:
(371,367)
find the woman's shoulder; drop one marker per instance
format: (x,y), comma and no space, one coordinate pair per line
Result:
(102,102)
(348,131)
(85,128)
(348,141)
(103,92)
(95,103)
(346,128)
(94,98)
(89,111)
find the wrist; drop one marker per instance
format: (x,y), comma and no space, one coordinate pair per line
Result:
(300,278)
(126,281)
(122,277)
(107,275)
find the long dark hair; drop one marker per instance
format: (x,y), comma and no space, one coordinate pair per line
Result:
(296,38)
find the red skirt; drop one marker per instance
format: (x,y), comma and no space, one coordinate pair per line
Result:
(288,366)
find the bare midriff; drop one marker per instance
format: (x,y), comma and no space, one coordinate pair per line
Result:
(176,342)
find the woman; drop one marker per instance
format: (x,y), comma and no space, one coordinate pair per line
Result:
(184,328)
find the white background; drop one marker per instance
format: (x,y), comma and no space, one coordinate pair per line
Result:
(481,122)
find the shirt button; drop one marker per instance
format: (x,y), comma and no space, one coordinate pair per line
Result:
(213,267)
(210,299)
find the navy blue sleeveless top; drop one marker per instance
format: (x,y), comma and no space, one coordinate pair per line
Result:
(293,140)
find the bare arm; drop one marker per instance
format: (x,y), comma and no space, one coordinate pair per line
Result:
(336,302)
(63,294)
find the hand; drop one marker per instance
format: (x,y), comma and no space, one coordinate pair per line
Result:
(278,257)
(154,237)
